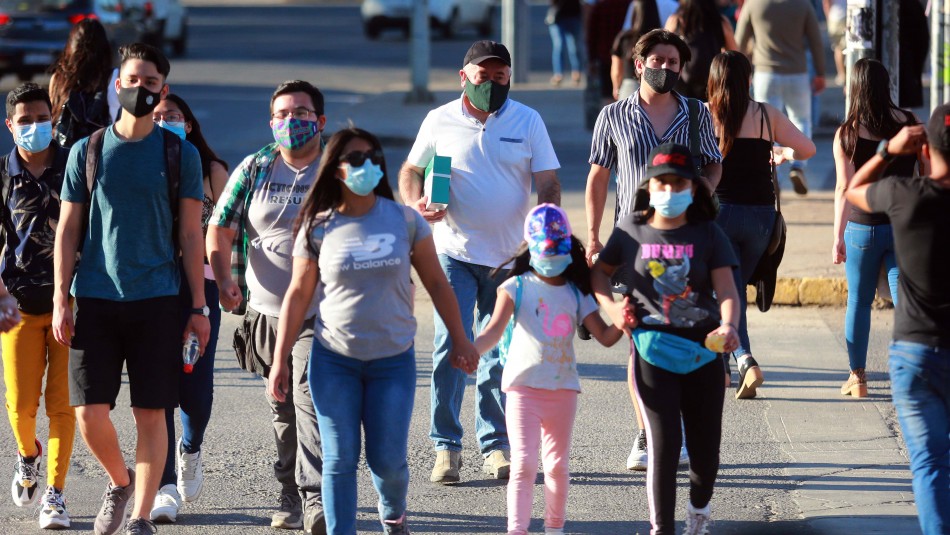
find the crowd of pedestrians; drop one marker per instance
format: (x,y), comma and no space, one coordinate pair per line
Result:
(123,238)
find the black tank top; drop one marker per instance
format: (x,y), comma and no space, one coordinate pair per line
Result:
(901,166)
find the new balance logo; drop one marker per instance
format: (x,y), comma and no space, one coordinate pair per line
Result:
(368,253)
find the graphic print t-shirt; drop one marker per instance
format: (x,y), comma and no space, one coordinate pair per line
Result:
(541,354)
(364,293)
(671,279)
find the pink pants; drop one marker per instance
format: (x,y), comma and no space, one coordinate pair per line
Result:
(534,414)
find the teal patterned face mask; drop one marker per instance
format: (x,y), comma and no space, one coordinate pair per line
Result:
(292,133)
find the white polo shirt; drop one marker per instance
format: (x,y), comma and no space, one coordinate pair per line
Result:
(490,188)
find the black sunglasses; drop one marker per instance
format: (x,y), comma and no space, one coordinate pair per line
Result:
(356,158)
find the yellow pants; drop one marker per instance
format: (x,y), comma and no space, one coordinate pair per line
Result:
(27,348)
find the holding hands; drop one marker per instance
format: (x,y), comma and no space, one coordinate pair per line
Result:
(623,314)
(464,356)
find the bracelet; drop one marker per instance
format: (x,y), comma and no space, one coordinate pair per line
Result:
(734,328)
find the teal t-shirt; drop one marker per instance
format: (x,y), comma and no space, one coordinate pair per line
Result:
(128,254)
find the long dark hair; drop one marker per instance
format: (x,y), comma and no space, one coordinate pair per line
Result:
(326,193)
(85,64)
(698,16)
(577,272)
(728,91)
(871,105)
(195,137)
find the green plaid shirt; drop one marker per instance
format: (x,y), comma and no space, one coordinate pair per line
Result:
(231,210)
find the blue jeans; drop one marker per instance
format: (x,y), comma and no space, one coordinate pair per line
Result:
(788,92)
(566,31)
(920,386)
(196,389)
(475,291)
(377,395)
(749,228)
(867,248)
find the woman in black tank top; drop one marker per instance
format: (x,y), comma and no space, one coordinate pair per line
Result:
(863,241)
(746,131)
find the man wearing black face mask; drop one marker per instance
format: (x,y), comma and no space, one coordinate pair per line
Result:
(497,146)
(625,134)
(126,287)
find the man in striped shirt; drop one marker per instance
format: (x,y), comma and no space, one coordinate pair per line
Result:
(625,133)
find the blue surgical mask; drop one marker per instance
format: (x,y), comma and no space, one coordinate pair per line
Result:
(362,180)
(178,128)
(550,266)
(671,204)
(33,137)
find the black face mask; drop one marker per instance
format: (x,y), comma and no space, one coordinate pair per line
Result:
(138,101)
(660,80)
(489,96)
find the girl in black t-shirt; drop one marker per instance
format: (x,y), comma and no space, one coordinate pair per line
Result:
(683,292)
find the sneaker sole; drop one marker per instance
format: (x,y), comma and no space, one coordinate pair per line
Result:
(444,480)
(163,518)
(637,468)
(194,497)
(501,473)
(280,524)
(753,379)
(54,524)
(798,184)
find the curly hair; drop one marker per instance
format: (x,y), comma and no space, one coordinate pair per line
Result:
(85,64)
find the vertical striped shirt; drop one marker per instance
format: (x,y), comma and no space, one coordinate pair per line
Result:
(624,137)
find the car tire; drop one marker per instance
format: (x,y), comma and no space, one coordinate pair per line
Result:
(487,25)
(372,28)
(180,45)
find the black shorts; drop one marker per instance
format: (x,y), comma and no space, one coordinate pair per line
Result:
(145,335)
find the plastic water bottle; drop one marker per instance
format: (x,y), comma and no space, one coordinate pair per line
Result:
(190,353)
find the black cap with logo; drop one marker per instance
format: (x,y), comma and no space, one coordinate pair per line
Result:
(670,159)
(482,50)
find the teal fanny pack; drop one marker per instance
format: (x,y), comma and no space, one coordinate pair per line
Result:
(670,352)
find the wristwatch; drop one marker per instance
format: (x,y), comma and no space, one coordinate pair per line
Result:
(882,152)
(204,311)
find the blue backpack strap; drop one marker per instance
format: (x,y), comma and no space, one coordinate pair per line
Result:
(518,287)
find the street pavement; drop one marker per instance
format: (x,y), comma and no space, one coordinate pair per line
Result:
(797,459)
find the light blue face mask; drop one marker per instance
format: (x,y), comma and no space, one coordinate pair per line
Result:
(178,128)
(550,266)
(362,180)
(33,137)
(671,204)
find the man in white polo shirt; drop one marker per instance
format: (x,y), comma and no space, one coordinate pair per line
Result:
(497,145)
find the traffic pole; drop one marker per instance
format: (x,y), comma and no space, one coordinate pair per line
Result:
(419,54)
(890,42)
(516,35)
(861,30)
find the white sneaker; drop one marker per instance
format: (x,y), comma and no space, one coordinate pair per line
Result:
(191,477)
(53,513)
(697,520)
(684,458)
(638,455)
(26,475)
(166,505)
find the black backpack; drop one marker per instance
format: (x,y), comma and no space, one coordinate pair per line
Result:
(173,173)
(81,115)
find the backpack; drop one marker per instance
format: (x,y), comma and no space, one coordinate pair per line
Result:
(81,115)
(172,145)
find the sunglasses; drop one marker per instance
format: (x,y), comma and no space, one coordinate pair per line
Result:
(357,158)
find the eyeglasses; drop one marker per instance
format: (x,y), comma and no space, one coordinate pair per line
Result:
(357,158)
(170,117)
(297,113)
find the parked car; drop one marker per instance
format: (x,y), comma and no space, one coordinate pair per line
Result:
(165,23)
(446,16)
(33,33)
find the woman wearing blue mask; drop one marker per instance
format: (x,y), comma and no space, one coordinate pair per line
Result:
(185,482)
(354,248)
(686,308)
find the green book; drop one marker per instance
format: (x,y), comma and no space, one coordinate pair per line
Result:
(437,176)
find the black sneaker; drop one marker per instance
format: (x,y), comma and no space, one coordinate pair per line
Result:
(314,522)
(140,526)
(750,378)
(799,183)
(289,514)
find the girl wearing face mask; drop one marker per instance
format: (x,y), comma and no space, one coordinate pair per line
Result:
(686,309)
(354,248)
(196,388)
(546,295)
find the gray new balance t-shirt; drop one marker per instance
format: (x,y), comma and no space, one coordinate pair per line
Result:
(270,227)
(364,293)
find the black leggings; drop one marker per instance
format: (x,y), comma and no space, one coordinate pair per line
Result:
(664,396)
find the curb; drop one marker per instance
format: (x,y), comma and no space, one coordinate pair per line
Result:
(814,291)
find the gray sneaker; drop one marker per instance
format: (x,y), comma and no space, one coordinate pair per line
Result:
(314,522)
(290,513)
(115,502)
(140,526)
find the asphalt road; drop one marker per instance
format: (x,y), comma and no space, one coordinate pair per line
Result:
(237,57)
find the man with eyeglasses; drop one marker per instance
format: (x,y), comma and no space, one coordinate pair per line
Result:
(250,240)
(497,146)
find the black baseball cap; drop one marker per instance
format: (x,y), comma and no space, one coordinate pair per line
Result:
(670,159)
(938,128)
(482,50)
